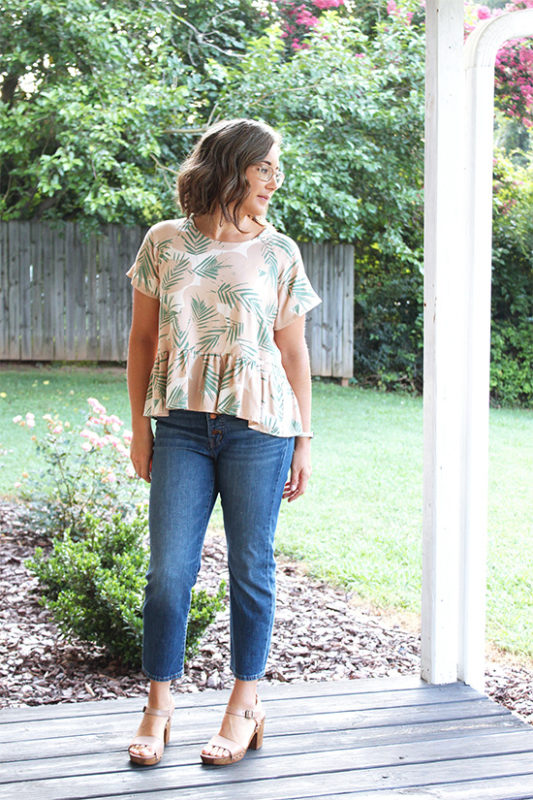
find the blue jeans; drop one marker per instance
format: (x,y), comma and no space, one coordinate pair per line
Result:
(196,458)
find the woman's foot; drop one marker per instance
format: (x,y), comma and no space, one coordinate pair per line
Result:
(153,733)
(242,727)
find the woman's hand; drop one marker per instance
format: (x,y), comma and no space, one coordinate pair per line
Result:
(141,449)
(300,470)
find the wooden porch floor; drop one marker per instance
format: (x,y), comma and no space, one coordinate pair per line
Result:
(385,739)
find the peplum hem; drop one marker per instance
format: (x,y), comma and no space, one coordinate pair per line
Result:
(224,383)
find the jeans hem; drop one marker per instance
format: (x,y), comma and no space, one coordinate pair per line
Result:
(153,677)
(256,677)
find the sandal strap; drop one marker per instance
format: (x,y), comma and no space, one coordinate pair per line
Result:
(256,713)
(228,744)
(158,712)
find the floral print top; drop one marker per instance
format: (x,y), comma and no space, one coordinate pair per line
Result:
(220,303)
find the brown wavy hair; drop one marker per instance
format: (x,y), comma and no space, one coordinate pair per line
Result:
(213,174)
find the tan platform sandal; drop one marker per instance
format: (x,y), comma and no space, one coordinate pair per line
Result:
(155,743)
(237,751)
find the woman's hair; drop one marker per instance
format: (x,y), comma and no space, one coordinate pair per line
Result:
(213,174)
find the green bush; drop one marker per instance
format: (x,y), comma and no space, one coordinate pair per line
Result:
(388,329)
(94,587)
(511,378)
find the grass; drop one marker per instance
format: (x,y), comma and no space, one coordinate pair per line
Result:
(359,524)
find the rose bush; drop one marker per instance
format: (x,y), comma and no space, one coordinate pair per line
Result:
(87,469)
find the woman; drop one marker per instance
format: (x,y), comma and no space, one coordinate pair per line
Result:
(217,357)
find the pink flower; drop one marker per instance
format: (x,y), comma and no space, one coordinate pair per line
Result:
(304,17)
(86,446)
(18,419)
(323,4)
(483,12)
(391,7)
(96,406)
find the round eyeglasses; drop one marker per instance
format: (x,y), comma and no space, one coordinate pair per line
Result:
(265,173)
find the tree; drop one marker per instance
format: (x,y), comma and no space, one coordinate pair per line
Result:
(92,93)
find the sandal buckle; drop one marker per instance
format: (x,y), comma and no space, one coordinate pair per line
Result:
(249,713)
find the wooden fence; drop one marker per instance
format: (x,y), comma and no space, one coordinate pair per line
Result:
(65,297)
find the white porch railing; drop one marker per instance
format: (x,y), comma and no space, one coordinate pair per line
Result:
(459,144)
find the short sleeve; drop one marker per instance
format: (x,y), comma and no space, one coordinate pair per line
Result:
(144,272)
(296,296)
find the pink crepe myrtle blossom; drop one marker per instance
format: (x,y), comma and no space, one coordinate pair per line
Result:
(304,17)
(298,20)
(513,66)
(395,10)
(324,4)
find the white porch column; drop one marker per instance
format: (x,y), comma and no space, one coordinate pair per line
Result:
(444,368)
(480,54)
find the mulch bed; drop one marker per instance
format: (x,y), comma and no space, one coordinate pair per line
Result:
(319,635)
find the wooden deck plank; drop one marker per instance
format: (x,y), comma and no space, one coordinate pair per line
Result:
(105,741)
(357,755)
(280,699)
(514,788)
(347,740)
(282,720)
(269,691)
(315,771)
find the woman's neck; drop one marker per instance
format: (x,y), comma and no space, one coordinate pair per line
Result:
(215,227)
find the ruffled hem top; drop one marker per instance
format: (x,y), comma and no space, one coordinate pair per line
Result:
(219,305)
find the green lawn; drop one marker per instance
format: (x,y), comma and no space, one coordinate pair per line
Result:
(360,522)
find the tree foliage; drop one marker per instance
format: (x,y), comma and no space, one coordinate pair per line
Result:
(102,101)
(92,93)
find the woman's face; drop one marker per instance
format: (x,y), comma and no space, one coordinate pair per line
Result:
(261,190)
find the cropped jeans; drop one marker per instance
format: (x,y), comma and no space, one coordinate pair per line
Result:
(195,458)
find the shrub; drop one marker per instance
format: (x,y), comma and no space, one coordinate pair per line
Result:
(511,379)
(94,587)
(87,470)
(388,329)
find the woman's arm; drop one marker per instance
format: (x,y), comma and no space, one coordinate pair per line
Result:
(142,349)
(295,359)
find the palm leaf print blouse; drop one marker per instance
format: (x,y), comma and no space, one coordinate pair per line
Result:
(220,303)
